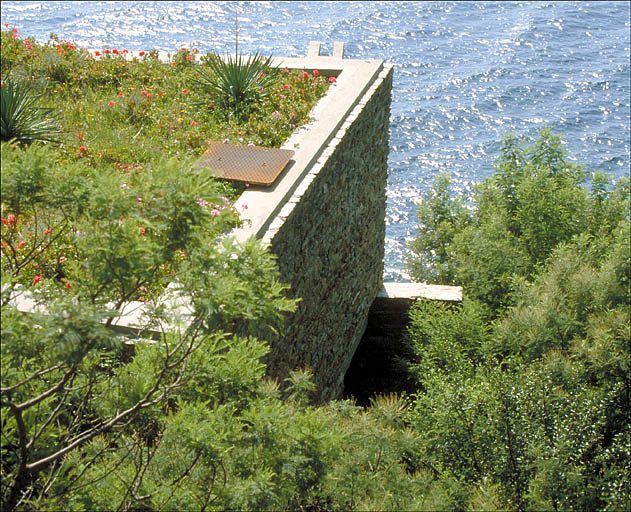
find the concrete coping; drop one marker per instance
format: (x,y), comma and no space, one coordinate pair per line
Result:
(420,291)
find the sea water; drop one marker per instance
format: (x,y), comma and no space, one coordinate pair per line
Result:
(466,73)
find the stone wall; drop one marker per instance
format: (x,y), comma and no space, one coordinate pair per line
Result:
(329,239)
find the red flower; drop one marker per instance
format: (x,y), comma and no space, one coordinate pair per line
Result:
(189,57)
(193,123)
(316,72)
(305,75)
(22,243)
(97,53)
(185,92)
(141,229)
(83,149)
(106,51)
(115,51)
(332,79)
(184,49)
(68,285)
(15,30)
(47,232)
(111,104)
(10,220)
(36,279)
(149,95)
(61,50)
(121,94)
(285,86)
(141,53)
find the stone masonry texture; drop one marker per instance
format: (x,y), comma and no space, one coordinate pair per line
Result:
(329,240)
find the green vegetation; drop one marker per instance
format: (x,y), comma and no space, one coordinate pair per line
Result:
(114,122)
(186,420)
(124,112)
(235,84)
(21,118)
(524,388)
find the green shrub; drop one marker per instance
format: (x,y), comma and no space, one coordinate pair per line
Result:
(236,83)
(523,400)
(22,117)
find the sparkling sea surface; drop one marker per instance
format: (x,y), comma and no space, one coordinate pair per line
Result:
(466,73)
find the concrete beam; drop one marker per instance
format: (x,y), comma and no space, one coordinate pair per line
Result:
(420,291)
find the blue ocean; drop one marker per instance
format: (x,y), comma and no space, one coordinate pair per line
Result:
(466,73)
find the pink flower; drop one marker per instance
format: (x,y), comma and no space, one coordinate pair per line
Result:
(215,212)
(275,113)
(61,50)
(83,149)
(316,72)
(225,141)
(332,79)
(185,92)
(141,229)
(149,95)
(189,57)
(36,279)
(68,285)
(173,63)
(111,104)
(22,243)
(62,259)
(305,75)
(245,206)
(285,86)
(11,219)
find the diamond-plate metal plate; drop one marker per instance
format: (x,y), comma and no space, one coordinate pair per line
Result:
(251,164)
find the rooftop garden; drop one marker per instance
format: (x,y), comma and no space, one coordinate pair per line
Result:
(108,139)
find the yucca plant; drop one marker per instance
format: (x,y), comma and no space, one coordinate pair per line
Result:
(235,83)
(22,119)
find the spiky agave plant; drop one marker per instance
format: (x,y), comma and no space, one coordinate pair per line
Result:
(235,83)
(22,119)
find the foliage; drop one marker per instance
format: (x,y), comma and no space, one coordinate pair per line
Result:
(536,200)
(22,119)
(524,387)
(175,413)
(234,84)
(120,111)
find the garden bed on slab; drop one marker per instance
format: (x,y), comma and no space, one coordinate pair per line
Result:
(118,120)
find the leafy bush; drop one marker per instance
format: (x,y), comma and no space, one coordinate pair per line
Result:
(536,200)
(524,387)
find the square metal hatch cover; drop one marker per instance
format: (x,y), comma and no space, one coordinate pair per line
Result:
(251,164)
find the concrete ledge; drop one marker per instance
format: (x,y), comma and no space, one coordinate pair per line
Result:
(420,291)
